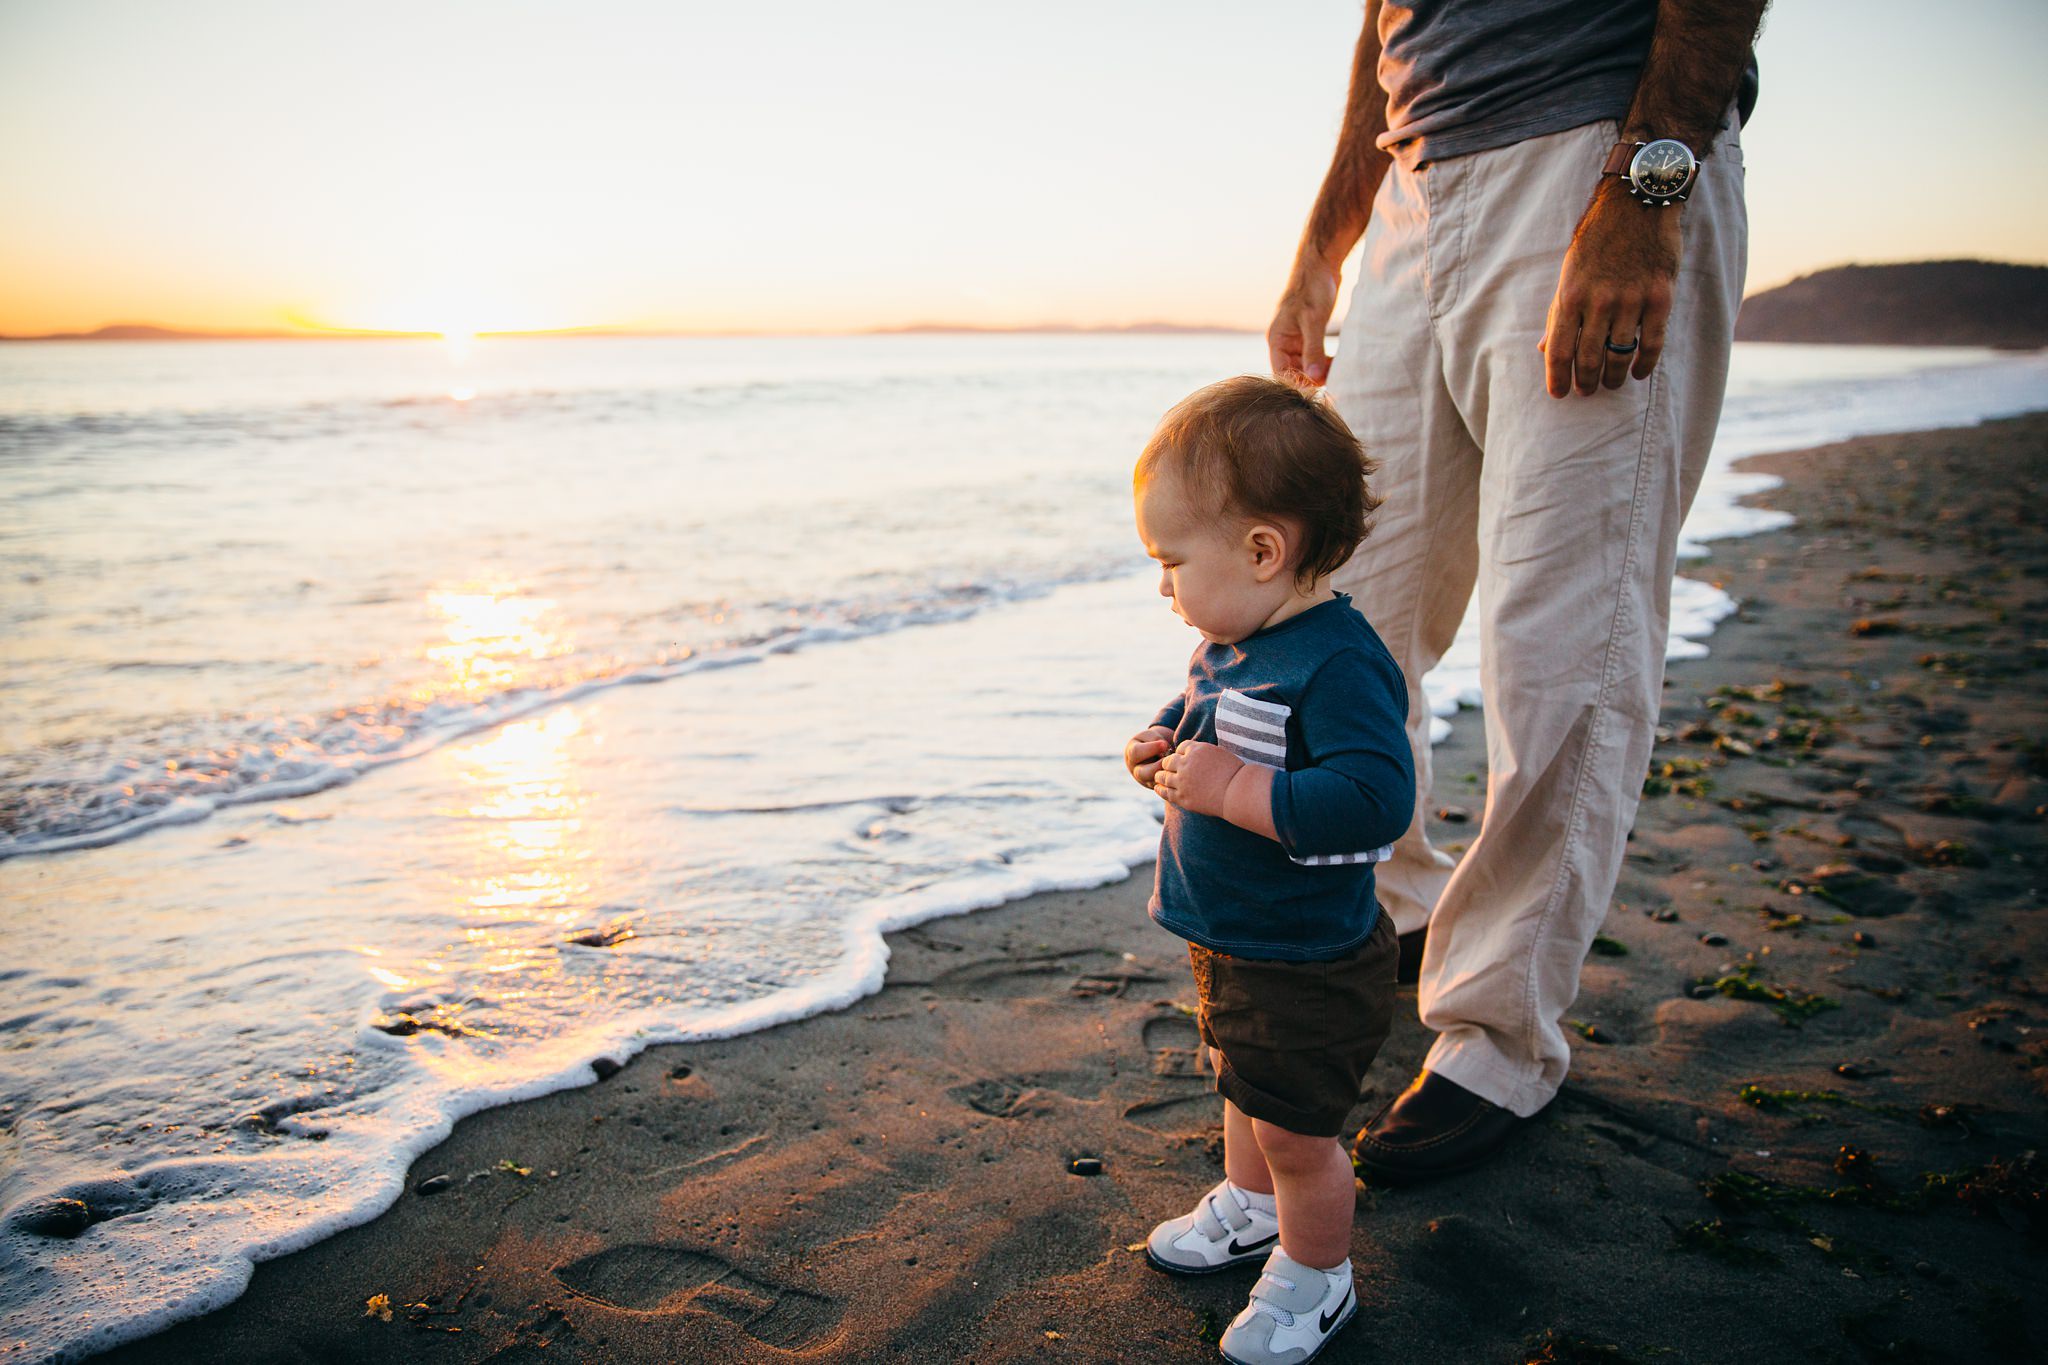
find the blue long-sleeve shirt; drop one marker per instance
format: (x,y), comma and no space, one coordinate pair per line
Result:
(1318,697)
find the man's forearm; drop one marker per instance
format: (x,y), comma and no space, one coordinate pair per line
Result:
(1345,201)
(1697,54)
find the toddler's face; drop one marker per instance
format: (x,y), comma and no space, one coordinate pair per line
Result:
(1211,573)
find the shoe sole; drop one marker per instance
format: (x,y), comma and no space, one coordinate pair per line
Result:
(1328,1337)
(1257,1257)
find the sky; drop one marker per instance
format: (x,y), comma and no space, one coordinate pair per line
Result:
(469,165)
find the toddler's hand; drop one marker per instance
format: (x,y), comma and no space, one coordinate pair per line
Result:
(1196,775)
(1143,751)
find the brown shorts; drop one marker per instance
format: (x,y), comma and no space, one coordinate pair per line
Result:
(1296,1037)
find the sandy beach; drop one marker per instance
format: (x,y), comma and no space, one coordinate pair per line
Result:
(1802,1125)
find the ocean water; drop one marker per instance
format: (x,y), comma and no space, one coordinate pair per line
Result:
(392,730)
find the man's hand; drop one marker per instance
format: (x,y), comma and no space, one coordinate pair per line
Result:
(1143,751)
(1616,285)
(1294,343)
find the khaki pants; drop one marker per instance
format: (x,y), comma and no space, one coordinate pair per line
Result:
(1564,513)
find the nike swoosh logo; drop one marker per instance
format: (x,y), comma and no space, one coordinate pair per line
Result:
(1337,1312)
(1238,1250)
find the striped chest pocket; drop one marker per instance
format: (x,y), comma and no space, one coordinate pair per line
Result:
(1256,731)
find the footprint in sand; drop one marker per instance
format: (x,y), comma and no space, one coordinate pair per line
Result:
(1022,1096)
(1015,976)
(641,1277)
(1175,1044)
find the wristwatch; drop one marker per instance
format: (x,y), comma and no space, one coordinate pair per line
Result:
(1661,172)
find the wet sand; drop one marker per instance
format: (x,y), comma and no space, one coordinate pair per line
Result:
(1801,1125)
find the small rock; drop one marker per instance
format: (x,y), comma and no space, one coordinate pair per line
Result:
(606,1068)
(682,1072)
(1713,940)
(1664,916)
(54,1218)
(1860,1071)
(434,1184)
(1924,1269)
(1085,1165)
(1453,815)
(1863,940)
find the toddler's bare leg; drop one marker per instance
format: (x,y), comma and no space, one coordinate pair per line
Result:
(1313,1180)
(1242,1160)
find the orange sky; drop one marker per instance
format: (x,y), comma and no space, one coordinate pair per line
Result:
(483,166)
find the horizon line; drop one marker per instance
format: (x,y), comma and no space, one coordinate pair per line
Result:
(150,331)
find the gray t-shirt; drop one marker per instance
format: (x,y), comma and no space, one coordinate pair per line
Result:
(1465,75)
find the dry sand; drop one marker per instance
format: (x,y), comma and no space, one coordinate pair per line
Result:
(1845,824)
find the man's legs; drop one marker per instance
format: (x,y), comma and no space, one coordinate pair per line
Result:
(1580,503)
(1412,578)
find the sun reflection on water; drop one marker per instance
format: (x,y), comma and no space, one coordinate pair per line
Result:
(495,635)
(532,861)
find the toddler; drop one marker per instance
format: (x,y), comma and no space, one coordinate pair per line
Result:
(1286,773)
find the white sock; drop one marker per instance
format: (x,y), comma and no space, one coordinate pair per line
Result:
(1252,1199)
(1340,1275)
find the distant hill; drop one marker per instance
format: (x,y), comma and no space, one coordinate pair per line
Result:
(143,331)
(1924,303)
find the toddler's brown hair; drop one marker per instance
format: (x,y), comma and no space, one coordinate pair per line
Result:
(1254,447)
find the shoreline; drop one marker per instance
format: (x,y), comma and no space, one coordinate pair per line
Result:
(749,1213)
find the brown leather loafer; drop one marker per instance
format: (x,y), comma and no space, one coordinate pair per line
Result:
(1432,1128)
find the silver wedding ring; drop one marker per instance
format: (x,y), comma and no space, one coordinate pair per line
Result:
(1624,350)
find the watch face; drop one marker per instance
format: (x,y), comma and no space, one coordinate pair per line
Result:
(1663,168)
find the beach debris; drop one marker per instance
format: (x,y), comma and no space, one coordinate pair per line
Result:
(1860,1071)
(1134,1246)
(1552,1347)
(1778,1101)
(1592,1033)
(1872,626)
(1851,889)
(2015,1191)
(605,935)
(435,1184)
(1604,946)
(1678,776)
(682,1071)
(1946,1116)
(1856,1165)
(53,1218)
(1051,1335)
(378,1306)
(1453,815)
(1085,1165)
(406,1025)
(1952,853)
(1863,940)
(1795,1007)
(1714,940)
(511,1167)
(1664,916)
(1713,1237)
(606,1067)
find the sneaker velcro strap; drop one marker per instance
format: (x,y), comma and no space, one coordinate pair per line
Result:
(1289,1285)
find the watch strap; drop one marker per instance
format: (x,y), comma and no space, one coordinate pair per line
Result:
(1618,159)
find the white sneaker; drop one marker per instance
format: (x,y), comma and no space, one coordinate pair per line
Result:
(1293,1313)
(1218,1234)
